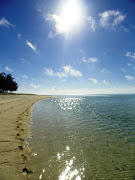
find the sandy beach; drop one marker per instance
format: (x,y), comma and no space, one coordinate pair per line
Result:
(15,120)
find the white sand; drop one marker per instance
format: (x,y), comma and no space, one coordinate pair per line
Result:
(15,116)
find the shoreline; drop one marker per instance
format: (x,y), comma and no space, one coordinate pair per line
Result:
(15,121)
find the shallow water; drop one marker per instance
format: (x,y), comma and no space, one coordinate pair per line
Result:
(89,137)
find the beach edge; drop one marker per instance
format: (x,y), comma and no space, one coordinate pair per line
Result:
(15,119)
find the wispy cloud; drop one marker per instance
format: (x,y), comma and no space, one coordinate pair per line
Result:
(111,19)
(104,70)
(72,72)
(51,34)
(33,47)
(84,60)
(125,29)
(82,51)
(24,76)
(131,66)
(105,82)
(19,36)
(61,74)
(92,59)
(123,70)
(49,72)
(89,60)
(94,81)
(92,23)
(8,69)
(34,85)
(5,22)
(129,77)
(131,55)
(59,24)
(52,17)
(68,71)
(24,61)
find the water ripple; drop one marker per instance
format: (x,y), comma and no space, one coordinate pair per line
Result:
(84,138)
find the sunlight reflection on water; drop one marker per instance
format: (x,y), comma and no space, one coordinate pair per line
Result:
(69,103)
(83,137)
(69,171)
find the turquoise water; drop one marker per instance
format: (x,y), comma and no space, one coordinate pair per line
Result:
(86,137)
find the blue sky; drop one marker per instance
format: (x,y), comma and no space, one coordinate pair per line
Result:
(69,46)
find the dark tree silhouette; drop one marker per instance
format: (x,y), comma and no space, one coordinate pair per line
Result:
(7,83)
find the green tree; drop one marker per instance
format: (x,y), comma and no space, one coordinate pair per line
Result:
(7,83)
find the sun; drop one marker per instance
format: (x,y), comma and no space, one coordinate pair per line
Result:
(69,17)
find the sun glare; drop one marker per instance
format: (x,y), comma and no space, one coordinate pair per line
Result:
(70,17)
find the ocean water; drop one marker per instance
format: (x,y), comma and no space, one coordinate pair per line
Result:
(83,137)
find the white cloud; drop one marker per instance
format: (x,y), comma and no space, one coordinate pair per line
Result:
(19,36)
(51,34)
(49,72)
(129,65)
(34,86)
(72,72)
(61,74)
(92,23)
(68,71)
(91,60)
(8,69)
(24,61)
(123,70)
(24,76)
(93,80)
(131,55)
(82,52)
(49,17)
(111,18)
(60,25)
(103,70)
(129,77)
(84,60)
(33,47)
(5,22)
(105,82)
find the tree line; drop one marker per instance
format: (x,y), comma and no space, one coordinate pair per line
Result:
(7,83)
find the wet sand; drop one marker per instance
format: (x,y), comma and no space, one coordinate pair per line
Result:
(15,120)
